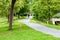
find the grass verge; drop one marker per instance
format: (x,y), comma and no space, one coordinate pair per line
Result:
(21,31)
(47,25)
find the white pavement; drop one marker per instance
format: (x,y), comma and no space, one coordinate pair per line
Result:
(41,28)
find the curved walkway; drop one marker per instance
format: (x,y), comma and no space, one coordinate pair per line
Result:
(41,28)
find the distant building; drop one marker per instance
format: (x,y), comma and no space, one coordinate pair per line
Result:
(56,19)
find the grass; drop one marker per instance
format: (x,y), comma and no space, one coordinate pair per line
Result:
(21,31)
(47,25)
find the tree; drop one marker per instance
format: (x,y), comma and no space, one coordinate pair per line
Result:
(23,11)
(8,7)
(45,9)
(11,14)
(5,7)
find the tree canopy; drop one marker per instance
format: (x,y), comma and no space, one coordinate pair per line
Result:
(5,6)
(45,9)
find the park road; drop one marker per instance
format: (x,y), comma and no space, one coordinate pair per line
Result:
(41,28)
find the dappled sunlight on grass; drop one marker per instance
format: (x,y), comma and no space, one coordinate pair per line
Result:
(21,31)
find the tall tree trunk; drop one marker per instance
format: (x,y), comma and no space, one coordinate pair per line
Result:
(18,16)
(11,14)
(49,1)
(8,18)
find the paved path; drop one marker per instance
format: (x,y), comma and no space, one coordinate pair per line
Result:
(41,28)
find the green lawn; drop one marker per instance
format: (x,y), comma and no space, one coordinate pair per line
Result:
(47,25)
(21,32)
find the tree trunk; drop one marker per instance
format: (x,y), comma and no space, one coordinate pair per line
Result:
(18,16)
(8,18)
(11,14)
(49,11)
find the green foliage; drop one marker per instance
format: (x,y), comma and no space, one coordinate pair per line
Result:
(4,7)
(6,4)
(19,5)
(21,32)
(45,9)
(24,10)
